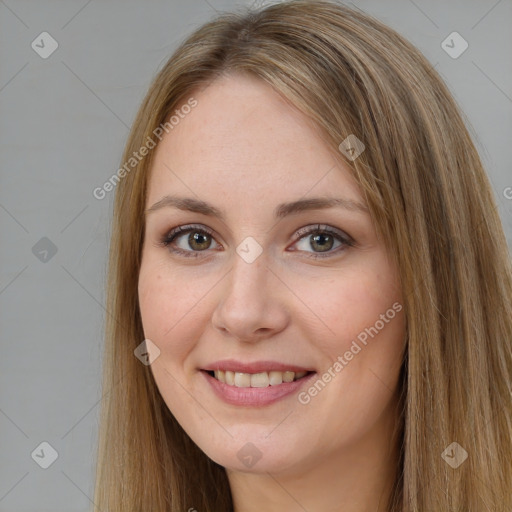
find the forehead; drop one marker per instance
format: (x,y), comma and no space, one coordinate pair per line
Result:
(244,140)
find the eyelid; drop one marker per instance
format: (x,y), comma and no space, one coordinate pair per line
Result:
(325,228)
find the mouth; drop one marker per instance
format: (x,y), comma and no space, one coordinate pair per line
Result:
(257,380)
(255,384)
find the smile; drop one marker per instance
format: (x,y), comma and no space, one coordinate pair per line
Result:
(256,380)
(255,384)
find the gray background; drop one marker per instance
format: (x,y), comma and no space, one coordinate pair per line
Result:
(63,123)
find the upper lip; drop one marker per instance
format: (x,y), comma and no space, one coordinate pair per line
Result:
(254,367)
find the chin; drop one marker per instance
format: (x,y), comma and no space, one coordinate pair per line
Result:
(253,453)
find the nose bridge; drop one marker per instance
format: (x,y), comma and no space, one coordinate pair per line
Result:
(249,275)
(249,267)
(247,306)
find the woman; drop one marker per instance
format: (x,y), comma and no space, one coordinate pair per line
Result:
(246,371)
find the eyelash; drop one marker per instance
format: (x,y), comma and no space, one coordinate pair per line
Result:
(171,236)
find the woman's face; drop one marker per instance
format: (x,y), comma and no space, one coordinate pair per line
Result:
(269,291)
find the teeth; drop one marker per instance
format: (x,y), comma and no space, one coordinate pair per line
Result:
(260,380)
(288,376)
(256,380)
(230,378)
(242,380)
(275,378)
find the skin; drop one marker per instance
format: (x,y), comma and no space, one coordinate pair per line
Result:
(245,150)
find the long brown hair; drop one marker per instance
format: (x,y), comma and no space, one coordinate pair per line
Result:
(430,200)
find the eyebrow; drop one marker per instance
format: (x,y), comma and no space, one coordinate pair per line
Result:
(282,210)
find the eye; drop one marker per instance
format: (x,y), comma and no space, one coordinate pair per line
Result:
(323,238)
(199,239)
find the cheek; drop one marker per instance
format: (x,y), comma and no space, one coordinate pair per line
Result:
(363,346)
(169,319)
(350,305)
(168,307)
(362,358)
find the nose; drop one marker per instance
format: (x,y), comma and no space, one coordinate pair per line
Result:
(251,306)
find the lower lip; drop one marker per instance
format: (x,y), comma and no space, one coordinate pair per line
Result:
(254,397)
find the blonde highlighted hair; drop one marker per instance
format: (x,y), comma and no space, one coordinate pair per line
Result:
(430,200)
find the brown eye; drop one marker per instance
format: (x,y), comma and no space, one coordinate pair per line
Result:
(324,242)
(199,239)
(322,239)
